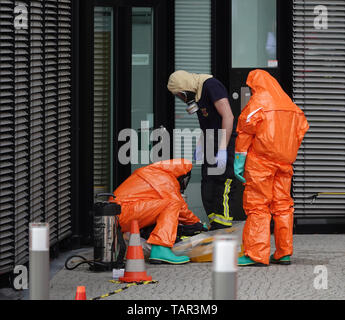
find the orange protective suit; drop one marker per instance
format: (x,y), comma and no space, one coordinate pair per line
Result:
(270,130)
(152,195)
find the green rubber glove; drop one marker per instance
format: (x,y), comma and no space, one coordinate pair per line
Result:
(240,160)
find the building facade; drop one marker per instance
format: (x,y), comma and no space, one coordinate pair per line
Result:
(75,74)
(35,123)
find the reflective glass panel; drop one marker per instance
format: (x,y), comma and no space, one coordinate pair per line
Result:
(254,34)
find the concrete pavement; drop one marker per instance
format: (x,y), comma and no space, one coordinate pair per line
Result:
(313,254)
(299,281)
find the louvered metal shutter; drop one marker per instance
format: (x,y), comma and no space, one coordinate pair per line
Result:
(51,116)
(36,111)
(192,53)
(7,145)
(22,138)
(319,90)
(64,116)
(35,125)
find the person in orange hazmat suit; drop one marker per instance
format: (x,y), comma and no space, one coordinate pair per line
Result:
(270,131)
(152,195)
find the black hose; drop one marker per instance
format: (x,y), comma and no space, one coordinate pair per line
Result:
(91,263)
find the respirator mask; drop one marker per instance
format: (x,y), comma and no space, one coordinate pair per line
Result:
(183,181)
(188,97)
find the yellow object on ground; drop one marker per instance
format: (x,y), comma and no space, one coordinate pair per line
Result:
(199,248)
(200,255)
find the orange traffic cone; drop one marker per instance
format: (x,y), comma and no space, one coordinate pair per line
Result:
(81,293)
(135,263)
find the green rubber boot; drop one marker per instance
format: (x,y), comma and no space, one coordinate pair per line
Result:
(160,254)
(283,260)
(246,261)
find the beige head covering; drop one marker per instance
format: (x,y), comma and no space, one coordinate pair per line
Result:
(184,81)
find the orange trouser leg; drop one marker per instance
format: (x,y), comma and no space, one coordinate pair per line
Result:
(257,197)
(162,212)
(282,210)
(145,212)
(164,234)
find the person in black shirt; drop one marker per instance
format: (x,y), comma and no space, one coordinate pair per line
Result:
(208,97)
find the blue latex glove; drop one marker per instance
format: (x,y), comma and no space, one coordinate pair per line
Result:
(222,157)
(240,160)
(198,153)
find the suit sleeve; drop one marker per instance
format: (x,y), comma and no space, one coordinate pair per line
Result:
(186,216)
(303,128)
(247,125)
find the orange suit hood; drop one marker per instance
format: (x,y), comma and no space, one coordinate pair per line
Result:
(270,125)
(267,89)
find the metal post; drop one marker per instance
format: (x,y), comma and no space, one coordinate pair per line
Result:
(39,261)
(224,274)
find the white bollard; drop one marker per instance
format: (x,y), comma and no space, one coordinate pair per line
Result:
(39,270)
(224,274)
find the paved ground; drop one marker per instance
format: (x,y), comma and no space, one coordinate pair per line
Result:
(193,281)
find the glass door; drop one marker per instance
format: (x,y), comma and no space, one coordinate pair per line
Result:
(142,111)
(253,45)
(246,37)
(129,85)
(103,102)
(253,33)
